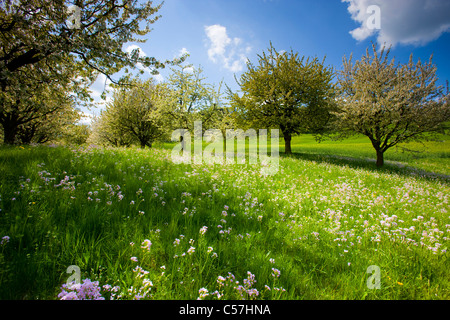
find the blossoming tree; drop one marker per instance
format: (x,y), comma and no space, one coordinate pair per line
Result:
(389,103)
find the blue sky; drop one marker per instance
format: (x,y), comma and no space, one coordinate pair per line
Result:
(221,34)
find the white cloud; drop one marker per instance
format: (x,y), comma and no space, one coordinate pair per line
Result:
(415,22)
(158,77)
(189,69)
(222,49)
(130,48)
(100,84)
(217,34)
(183,51)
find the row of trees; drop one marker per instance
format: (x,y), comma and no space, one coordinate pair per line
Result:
(47,64)
(389,103)
(147,111)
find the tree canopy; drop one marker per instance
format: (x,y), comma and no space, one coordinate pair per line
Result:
(41,30)
(48,44)
(387,102)
(190,98)
(285,91)
(134,115)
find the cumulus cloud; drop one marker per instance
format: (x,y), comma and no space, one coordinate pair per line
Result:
(415,22)
(231,53)
(217,34)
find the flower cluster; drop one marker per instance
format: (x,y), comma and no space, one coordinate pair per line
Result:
(5,240)
(202,293)
(232,289)
(276,273)
(203,230)
(88,290)
(146,244)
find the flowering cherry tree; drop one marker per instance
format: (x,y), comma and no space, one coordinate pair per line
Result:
(389,103)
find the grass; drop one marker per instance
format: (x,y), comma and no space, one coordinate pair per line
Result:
(310,231)
(431,156)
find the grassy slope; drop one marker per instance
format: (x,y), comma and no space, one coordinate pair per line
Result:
(323,220)
(432,156)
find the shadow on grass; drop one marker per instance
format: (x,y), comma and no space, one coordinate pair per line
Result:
(395,167)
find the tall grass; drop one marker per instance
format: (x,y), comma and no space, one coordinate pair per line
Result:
(308,232)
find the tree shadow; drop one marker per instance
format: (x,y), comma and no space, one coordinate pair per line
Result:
(390,167)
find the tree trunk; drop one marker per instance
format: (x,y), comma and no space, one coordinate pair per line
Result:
(287,142)
(183,143)
(9,132)
(380,158)
(380,153)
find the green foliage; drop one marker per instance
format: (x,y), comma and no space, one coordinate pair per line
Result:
(104,134)
(189,98)
(76,134)
(35,114)
(147,111)
(38,31)
(135,115)
(285,91)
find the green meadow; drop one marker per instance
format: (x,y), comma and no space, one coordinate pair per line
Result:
(139,226)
